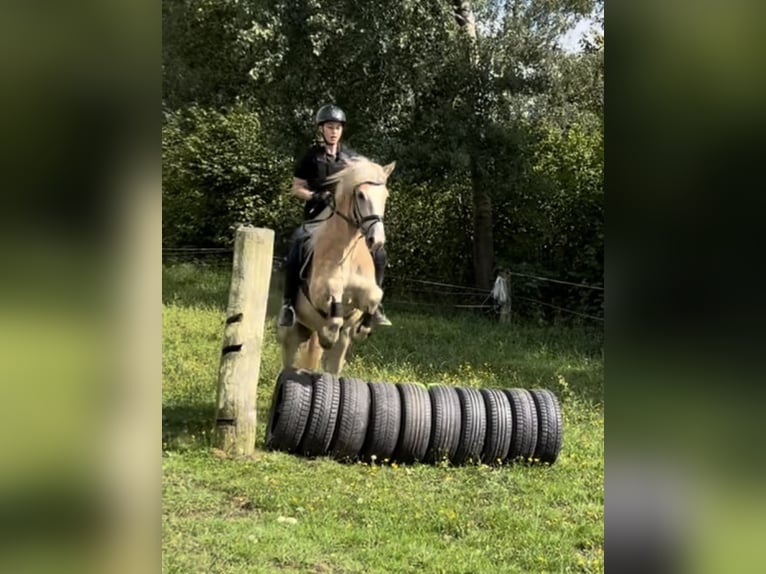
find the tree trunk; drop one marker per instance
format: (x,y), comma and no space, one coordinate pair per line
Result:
(464,17)
(483,242)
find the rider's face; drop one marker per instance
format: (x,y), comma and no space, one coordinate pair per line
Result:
(332,132)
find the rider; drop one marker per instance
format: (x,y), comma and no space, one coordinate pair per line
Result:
(310,185)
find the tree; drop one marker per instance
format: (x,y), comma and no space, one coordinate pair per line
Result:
(203,59)
(483,243)
(494,77)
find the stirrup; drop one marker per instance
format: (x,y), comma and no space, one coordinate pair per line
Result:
(287,316)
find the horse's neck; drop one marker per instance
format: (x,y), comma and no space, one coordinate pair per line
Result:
(334,238)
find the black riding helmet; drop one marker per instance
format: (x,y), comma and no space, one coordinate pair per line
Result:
(330,113)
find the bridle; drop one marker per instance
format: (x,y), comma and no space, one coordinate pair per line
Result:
(363,223)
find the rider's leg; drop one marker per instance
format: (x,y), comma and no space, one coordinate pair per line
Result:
(292,282)
(379,260)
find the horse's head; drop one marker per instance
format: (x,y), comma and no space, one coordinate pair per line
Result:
(361,197)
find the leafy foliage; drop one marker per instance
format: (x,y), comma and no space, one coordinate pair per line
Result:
(430,227)
(218,173)
(203,60)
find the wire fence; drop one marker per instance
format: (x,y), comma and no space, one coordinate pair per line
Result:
(219,257)
(560,281)
(551,305)
(409,291)
(466,292)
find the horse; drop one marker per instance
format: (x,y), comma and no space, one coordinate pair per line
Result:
(339,294)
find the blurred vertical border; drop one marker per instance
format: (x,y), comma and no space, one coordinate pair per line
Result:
(80,287)
(685,88)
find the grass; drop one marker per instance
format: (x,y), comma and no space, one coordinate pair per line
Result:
(282,513)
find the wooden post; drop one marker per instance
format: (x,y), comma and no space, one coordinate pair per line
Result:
(241,355)
(505,309)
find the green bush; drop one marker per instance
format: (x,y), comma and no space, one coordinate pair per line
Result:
(220,172)
(427,231)
(553,222)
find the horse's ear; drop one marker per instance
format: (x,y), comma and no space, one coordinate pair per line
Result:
(389,168)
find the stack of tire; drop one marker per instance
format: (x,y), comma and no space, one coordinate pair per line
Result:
(319,414)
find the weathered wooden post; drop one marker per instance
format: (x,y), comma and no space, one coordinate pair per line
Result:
(501,294)
(505,310)
(241,356)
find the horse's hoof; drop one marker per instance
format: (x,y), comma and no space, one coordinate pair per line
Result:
(361,333)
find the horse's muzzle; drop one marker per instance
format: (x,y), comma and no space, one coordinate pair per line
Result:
(376,236)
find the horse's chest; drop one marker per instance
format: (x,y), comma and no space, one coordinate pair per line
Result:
(356,279)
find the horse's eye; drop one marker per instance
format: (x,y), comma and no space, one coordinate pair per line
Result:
(360,195)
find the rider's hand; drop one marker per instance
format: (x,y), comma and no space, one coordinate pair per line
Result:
(325,197)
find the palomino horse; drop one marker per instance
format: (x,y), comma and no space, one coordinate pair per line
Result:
(340,293)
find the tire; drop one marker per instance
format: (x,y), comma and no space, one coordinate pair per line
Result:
(499,426)
(524,435)
(549,425)
(415,429)
(324,414)
(290,409)
(353,419)
(385,419)
(473,416)
(445,424)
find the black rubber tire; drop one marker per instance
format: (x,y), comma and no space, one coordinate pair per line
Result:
(473,426)
(550,426)
(499,426)
(524,435)
(415,429)
(445,423)
(290,409)
(324,414)
(385,421)
(353,418)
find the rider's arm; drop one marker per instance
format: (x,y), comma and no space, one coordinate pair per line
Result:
(305,171)
(301,189)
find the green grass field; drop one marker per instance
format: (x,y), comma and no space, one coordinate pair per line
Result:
(281,513)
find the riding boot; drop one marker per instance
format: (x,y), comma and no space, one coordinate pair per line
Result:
(379,259)
(292,284)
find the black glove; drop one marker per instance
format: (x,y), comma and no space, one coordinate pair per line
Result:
(325,197)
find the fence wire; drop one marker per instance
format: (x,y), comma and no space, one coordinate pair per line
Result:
(561,281)
(221,257)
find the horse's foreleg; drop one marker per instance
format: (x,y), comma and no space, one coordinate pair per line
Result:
(312,354)
(331,329)
(362,330)
(290,340)
(370,299)
(335,358)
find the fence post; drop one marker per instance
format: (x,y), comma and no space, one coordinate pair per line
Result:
(240,364)
(505,309)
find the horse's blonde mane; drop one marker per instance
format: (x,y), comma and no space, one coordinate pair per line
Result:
(359,170)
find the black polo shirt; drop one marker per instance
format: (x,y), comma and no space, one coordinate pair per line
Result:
(315,167)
